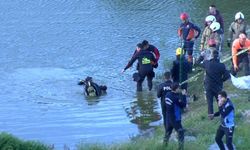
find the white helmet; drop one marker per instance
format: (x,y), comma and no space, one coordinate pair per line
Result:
(215,26)
(239,15)
(210,18)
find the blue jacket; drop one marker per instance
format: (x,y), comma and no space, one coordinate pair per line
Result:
(185,30)
(226,111)
(174,104)
(163,89)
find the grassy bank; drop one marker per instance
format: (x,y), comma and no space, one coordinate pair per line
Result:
(9,142)
(197,125)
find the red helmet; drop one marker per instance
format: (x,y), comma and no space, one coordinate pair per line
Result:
(184,16)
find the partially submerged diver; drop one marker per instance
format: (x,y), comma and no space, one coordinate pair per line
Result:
(91,88)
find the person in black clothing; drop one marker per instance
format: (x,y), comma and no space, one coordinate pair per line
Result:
(146,62)
(180,68)
(91,88)
(216,74)
(152,49)
(175,101)
(226,111)
(162,90)
(139,47)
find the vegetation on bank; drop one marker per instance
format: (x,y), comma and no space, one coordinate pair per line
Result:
(199,135)
(200,131)
(9,142)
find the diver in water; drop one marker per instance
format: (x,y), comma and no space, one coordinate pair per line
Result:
(91,88)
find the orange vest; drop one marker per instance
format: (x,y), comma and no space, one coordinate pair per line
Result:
(236,47)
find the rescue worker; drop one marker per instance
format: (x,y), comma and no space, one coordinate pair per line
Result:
(146,62)
(138,48)
(188,32)
(162,90)
(175,102)
(180,68)
(226,111)
(240,44)
(91,88)
(215,74)
(215,12)
(238,26)
(210,32)
(152,49)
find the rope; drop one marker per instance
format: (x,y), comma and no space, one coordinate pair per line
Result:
(195,77)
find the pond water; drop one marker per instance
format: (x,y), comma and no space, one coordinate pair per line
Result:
(47,46)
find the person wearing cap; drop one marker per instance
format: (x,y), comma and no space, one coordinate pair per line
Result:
(188,32)
(162,90)
(146,61)
(175,101)
(237,26)
(180,69)
(226,112)
(153,49)
(215,74)
(238,45)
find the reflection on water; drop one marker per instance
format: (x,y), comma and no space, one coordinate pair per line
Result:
(143,111)
(93,100)
(45,46)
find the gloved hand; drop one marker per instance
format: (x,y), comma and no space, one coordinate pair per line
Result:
(229,43)
(155,65)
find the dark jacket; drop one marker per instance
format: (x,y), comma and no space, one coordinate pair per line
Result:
(226,111)
(216,74)
(180,69)
(185,30)
(219,19)
(163,89)
(146,61)
(175,102)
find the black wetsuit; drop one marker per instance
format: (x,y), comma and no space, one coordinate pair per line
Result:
(146,61)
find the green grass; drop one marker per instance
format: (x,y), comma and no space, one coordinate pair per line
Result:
(9,142)
(196,123)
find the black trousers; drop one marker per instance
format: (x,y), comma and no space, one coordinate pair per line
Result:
(163,110)
(149,76)
(170,125)
(221,131)
(210,95)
